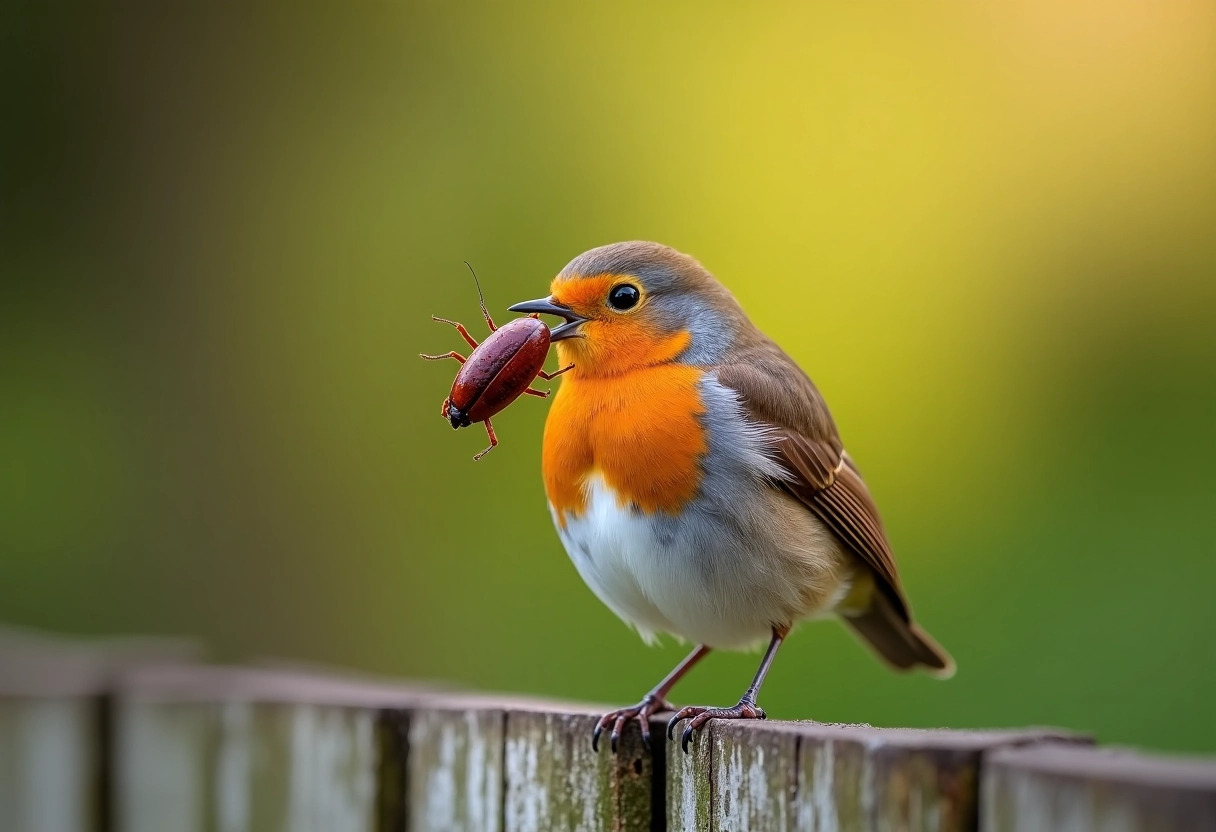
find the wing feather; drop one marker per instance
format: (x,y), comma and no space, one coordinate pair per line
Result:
(777,394)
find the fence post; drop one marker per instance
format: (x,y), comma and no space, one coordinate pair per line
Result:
(1094,790)
(554,780)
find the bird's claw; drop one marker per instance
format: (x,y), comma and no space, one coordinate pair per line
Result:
(698,715)
(619,718)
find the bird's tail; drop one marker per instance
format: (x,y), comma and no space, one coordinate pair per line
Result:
(897,640)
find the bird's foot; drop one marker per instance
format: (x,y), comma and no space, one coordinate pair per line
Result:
(698,716)
(642,712)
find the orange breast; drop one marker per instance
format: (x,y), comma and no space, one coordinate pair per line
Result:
(640,431)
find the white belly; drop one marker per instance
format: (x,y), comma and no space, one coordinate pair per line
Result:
(705,580)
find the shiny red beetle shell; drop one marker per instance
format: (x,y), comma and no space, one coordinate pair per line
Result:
(498,371)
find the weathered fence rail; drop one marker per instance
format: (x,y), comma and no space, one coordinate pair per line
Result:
(121,745)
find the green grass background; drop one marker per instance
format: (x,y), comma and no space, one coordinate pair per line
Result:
(988,232)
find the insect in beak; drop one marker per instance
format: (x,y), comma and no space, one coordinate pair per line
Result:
(548,306)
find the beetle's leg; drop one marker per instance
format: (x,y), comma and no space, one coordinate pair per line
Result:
(452,354)
(446,409)
(493,441)
(542,394)
(464,333)
(551,376)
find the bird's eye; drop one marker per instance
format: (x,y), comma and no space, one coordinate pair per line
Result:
(624,297)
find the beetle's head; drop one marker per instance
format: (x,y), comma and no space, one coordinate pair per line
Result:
(456,416)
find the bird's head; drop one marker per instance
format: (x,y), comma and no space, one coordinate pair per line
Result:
(637,304)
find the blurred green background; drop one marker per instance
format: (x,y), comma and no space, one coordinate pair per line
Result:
(988,231)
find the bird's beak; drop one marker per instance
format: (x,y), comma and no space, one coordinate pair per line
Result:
(548,306)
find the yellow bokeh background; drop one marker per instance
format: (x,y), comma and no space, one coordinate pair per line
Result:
(986,231)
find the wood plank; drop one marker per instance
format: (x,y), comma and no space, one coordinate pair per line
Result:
(245,750)
(161,767)
(455,770)
(786,775)
(690,781)
(754,778)
(554,781)
(314,769)
(858,777)
(736,776)
(49,763)
(242,767)
(1046,788)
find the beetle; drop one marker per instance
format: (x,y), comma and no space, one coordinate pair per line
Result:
(498,371)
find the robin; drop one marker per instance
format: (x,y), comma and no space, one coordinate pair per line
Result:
(698,482)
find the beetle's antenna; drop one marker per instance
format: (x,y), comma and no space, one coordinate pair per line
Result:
(485,313)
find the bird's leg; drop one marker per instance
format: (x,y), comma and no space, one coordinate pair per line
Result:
(452,354)
(555,374)
(654,701)
(493,441)
(747,707)
(464,333)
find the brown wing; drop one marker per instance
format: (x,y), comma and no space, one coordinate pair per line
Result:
(839,497)
(776,392)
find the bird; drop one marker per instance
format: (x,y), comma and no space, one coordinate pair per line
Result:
(698,482)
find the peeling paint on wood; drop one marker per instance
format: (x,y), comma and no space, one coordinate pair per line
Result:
(554,781)
(455,770)
(689,782)
(754,778)
(327,755)
(1096,790)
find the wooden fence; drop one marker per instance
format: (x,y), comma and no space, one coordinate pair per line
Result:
(126,746)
